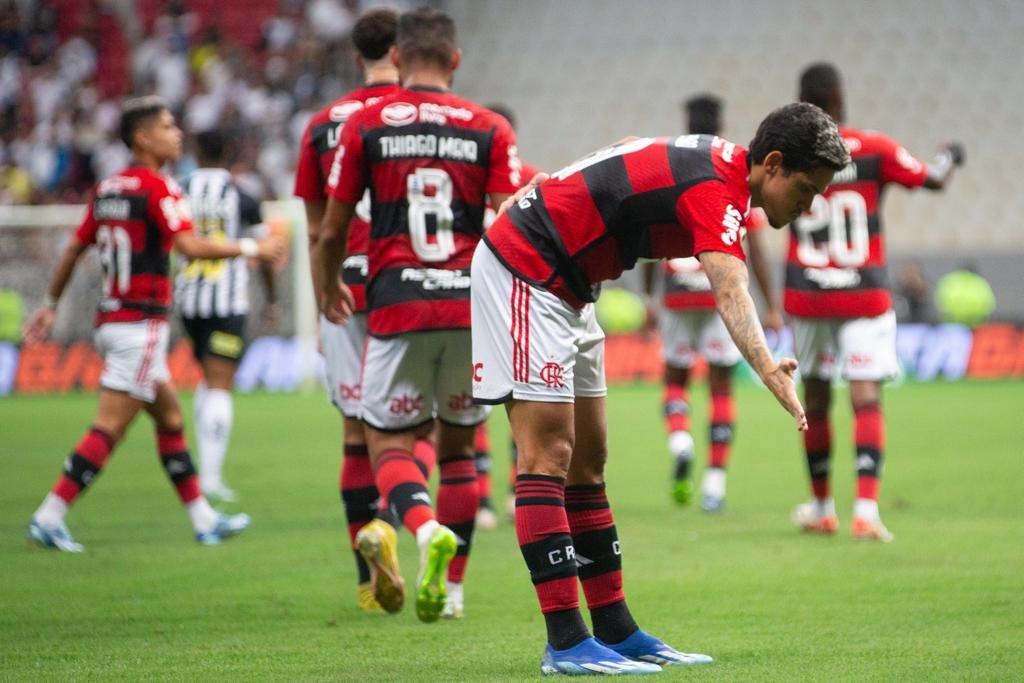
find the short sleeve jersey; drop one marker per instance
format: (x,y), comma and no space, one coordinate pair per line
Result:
(686,285)
(835,264)
(316,156)
(648,198)
(429,159)
(132,218)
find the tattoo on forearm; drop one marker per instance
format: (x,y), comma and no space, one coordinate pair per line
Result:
(728,277)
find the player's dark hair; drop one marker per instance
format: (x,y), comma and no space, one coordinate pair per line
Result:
(504,111)
(818,84)
(703,115)
(138,112)
(374,32)
(210,144)
(426,35)
(806,136)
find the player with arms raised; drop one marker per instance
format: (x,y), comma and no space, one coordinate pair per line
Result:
(538,348)
(429,159)
(342,345)
(134,219)
(837,296)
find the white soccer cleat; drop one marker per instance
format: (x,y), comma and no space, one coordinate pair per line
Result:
(870,530)
(814,519)
(219,493)
(54,536)
(486,519)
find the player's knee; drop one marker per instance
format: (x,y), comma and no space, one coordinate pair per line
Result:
(550,456)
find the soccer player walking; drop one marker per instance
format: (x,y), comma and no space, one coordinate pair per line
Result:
(689,325)
(213,298)
(538,348)
(134,219)
(429,159)
(837,297)
(342,345)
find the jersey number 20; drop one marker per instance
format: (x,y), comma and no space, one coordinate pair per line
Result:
(845,215)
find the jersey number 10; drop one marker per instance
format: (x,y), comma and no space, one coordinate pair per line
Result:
(845,215)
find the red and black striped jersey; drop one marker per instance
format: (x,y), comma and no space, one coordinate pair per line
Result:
(835,265)
(316,155)
(686,285)
(646,198)
(132,218)
(526,173)
(429,159)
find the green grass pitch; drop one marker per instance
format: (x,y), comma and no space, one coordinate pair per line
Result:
(945,601)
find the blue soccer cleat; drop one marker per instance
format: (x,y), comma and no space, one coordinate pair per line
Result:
(53,536)
(226,527)
(591,658)
(643,647)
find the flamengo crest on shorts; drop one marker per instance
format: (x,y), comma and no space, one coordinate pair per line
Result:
(132,218)
(316,160)
(429,159)
(646,198)
(835,266)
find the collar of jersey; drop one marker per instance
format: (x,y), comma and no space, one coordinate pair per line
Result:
(427,88)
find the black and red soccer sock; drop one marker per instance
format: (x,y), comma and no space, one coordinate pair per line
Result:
(178,464)
(542,530)
(425,454)
(402,484)
(458,498)
(869,439)
(676,400)
(84,464)
(358,498)
(599,557)
(482,459)
(818,447)
(723,420)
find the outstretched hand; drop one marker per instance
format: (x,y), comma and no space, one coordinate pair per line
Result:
(780,382)
(39,326)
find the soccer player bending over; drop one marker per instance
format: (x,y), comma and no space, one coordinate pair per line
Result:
(837,296)
(538,348)
(134,219)
(430,159)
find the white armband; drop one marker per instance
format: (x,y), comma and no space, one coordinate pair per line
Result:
(248,247)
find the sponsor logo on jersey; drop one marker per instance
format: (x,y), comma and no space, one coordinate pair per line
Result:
(433,279)
(431,112)
(357,262)
(119,183)
(833,278)
(553,375)
(340,112)
(732,221)
(398,114)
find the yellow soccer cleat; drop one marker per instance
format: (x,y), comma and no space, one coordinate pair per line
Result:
(377,542)
(365,598)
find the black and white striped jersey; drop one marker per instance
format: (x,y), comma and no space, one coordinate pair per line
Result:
(216,288)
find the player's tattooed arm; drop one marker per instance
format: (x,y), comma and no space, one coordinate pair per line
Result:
(729,282)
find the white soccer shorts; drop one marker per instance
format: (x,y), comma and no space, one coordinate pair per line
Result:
(412,378)
(134,357)
(527,343)
(684,334)
(855,349)
(342,347)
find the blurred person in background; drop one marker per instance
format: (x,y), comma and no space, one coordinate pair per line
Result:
(689,325)
(837,296)
(134,219)
(213,300)
(912,296)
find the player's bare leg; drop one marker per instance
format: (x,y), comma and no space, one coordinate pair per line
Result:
(869,444)
(214,415)
(722,419)
(115,411)
(210,527)
(818,515)
(676,402)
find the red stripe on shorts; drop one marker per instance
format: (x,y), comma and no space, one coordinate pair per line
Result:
(147,353)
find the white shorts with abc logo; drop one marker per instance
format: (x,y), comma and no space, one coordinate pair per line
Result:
(342,347)
(527,343)
(134,357)
(412,378)
(854,348)
(684,334)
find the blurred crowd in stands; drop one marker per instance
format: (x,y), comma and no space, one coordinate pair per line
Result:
(256,69)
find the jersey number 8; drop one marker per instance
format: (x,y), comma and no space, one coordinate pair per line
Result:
(845,215)
(429,192)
